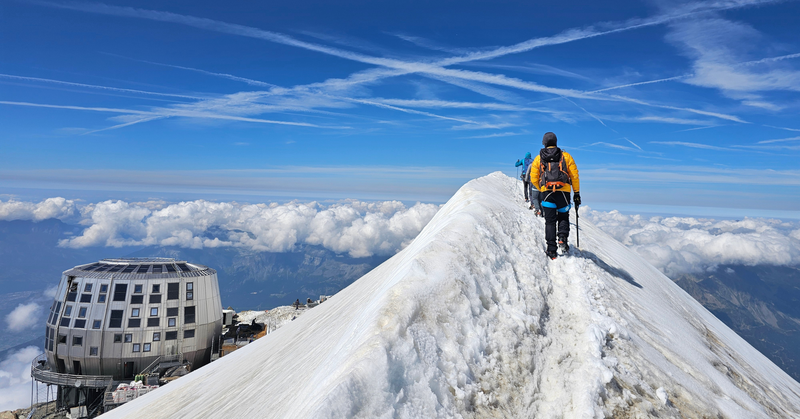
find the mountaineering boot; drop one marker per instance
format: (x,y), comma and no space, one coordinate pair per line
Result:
(551,254)
(563,246)
(538,212)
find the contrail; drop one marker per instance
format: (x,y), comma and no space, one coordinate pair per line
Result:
(197,70)
(697,111)
(93,86)
(396,108)
(684,76)
(165,112)
(782,140)
(634,144)
(124,125)
(589,113)
(771,59)
(693,145)
(640,83)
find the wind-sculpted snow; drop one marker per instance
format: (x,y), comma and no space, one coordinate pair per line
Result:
(471,320)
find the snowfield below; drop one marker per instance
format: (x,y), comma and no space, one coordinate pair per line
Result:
(471,320)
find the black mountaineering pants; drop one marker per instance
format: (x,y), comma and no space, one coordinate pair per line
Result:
(555,223)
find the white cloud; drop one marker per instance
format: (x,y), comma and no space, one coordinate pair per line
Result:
(23,317)
(678,245)
(49,208)
(15,379)
(354,227)
(51,291)
(720,49)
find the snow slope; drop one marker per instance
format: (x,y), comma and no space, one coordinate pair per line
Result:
(471,320)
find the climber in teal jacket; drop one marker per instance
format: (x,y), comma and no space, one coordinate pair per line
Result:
(526,164)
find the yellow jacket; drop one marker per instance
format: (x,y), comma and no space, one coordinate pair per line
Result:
(572,171)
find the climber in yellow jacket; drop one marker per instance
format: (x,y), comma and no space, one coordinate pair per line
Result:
(554,172)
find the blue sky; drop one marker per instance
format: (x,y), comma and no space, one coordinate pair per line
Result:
(666,106)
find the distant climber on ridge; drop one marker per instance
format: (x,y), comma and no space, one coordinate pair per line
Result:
(556,175)
(526,165)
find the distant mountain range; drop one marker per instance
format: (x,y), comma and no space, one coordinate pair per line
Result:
(761,303)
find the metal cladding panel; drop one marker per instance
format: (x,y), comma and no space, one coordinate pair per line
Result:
(91,365)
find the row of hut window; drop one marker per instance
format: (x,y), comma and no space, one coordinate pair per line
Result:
(189,316)
(116,317)
(121,291)
(136,347)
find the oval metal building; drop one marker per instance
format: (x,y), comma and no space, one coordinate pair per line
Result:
(117,318)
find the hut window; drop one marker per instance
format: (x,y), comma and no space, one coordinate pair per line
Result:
(116,318)
(188,315)
(120,290)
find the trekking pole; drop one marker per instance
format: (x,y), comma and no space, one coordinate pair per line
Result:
(577,227)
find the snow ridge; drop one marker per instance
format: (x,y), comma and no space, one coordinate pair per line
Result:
(471,320)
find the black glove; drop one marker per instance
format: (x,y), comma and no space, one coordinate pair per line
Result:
(577,199)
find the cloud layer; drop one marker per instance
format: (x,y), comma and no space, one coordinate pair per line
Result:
(49,208)
(679,245)
(358,228)
(15,378)
(673,244)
